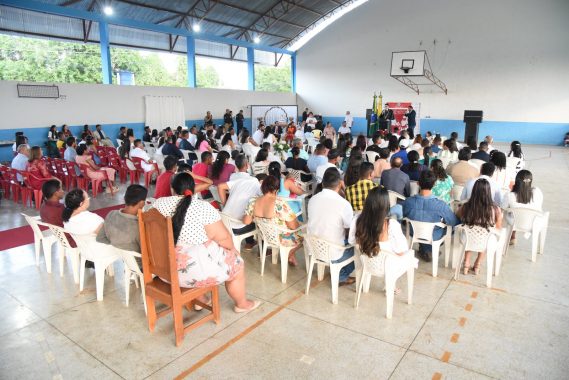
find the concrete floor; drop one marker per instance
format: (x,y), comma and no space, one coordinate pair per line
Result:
(517,330)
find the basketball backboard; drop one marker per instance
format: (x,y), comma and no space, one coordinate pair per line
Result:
(408,63)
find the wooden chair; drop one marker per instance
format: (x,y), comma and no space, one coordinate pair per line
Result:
(159,259)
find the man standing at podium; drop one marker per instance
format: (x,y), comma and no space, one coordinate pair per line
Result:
(385,118)
(411,123)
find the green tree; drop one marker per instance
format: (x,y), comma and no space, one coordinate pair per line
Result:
(270,78)
(37,60)
(207,77)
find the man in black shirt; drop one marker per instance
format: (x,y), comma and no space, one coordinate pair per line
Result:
(146,137)
(482,153)
(376,139)
(239,119)
(305,114)
(411,123)
(228,117)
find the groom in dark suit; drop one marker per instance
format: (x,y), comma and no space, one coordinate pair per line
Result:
(385,118)
(411,123)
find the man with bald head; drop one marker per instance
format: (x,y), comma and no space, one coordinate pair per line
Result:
(396,180)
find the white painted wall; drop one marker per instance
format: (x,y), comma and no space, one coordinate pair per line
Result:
(509,58)
(110,104)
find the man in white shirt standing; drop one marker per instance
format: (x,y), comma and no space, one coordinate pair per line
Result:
(241,187)
(139,152)
(333,156)
(330,219)
(343,130)
(259,134)
(349,120)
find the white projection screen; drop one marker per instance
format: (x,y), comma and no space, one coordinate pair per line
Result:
(273,114)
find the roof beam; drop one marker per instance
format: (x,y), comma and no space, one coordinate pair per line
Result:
(69,2)
(48,8)
(258,13)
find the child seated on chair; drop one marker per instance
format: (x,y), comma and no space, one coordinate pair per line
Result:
(121,226)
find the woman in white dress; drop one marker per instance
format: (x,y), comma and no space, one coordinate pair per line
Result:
(205,252)
(375,239)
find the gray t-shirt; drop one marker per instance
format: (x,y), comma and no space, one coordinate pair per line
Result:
(121,231)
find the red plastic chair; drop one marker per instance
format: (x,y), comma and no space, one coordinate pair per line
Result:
(29,192)
(71,176)
(15,185)
(5,183)
(96,184)
(137,161)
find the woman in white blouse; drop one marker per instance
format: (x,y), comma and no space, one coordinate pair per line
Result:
(523,194)
(76,218)
(205,252)
(377,239)
(503,176)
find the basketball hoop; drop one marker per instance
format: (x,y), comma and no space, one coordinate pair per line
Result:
(407,64)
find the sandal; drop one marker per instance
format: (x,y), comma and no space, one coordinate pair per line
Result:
(476,269)
(466,268)
(240,310)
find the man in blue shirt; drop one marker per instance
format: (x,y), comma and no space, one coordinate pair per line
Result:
(318,158)
(394,179)
(425,207)
(402,152)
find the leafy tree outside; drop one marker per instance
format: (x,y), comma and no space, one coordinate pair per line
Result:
(275,79)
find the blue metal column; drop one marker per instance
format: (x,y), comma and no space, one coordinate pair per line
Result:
(293,73)
(191,56)
(251,68)
(105,53)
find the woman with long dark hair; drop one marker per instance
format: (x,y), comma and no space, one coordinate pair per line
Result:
(221,170)
(450,150)
(503,176)
(270,206)
(444,184)
(93,171)
(352,174)
(361,142)
(227,143)
(202,143)
(205,252)
(76,217)
(516,151)
(413,168)
(480,211)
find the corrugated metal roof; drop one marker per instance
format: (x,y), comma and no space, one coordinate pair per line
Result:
(276,22)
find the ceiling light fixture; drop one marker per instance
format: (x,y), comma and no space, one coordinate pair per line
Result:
(196,28)
(108,10)
(257,39)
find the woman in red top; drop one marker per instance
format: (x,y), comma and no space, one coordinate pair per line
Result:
(36,166)
(290,131)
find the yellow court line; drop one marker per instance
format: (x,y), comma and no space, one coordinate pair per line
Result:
(238,337)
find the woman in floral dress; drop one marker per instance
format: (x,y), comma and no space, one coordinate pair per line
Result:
(269,206)
(205,253)
(444,184)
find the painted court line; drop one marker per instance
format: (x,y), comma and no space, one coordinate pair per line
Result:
(468,307)
(437,376)
(238,337)
(462,321)
(454,338)
(446,356)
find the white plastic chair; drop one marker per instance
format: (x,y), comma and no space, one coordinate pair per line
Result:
(376,266)
(270,236)
(43,239)
(423,234)
(477,239)
(319,251)
(260,168)
(371,156)
(307,187)
(393,197)
(529,221)
(67,250)
(148,203)
(102,256)
(413,188)
(514,164)
(229,222)
(132,272)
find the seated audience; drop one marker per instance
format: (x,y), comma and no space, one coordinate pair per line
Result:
(490,141)
(395,180)
(202,169)
(436,147)
(66,132)
(95,172)
(417,143)
(147,136)
(241,190)
(329,131)
(357,193)
(375,233)
(20,161)
(297,143)
(170,149)
(352,174)
(183,142)
(227,143)
(204,248)
(462,171)
(503,175)
(37,167)
(163,180)
(76,217)
(401,152)
(425,207)
(516,151)
(318,158)
(481,211)
(220,170)
(444,184)
(376,140)
(60,143)
(482,153)
(121,226)
(51,210)
(70,153)
(139,152)
(101,137)
(269,206)
(413,169)
(486,171)
(449,151)
(382,163)
(333,157)
(295,161)
(330,218)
